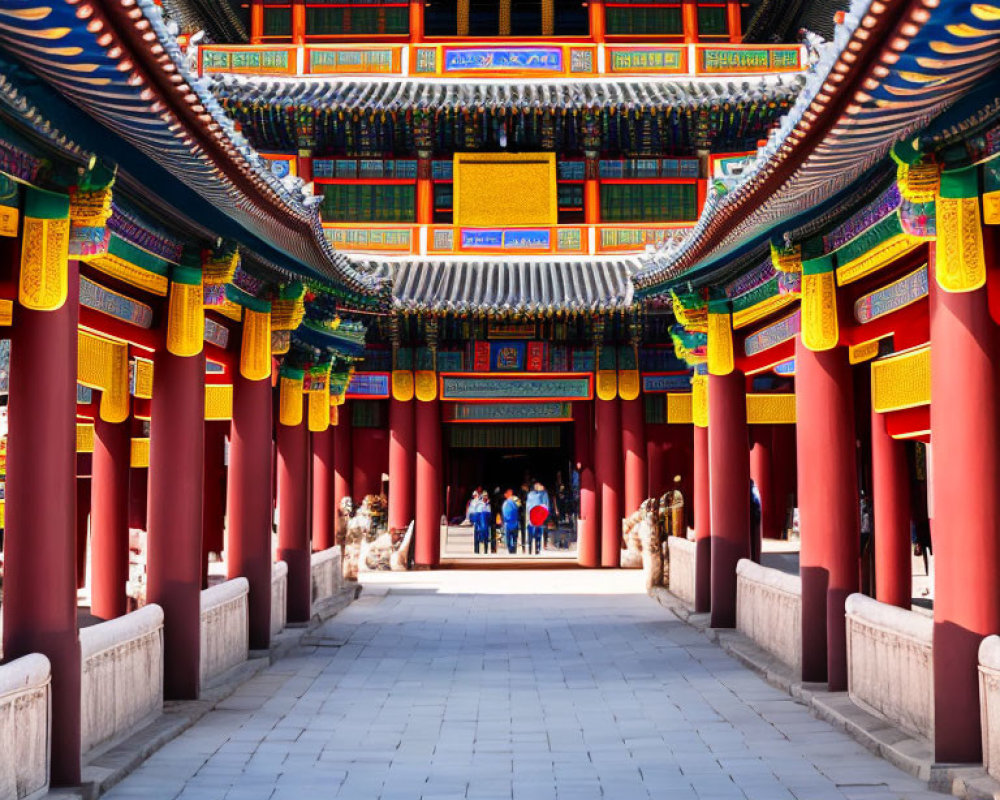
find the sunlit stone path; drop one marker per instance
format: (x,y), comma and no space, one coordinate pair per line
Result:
(562,684)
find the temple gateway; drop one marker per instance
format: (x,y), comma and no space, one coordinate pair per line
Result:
(296,291)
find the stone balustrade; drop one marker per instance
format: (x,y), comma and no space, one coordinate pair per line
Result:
(279,597)
(989,702)
(681,568)
(225,628)
(122,678)
(769,610)
(327,575)
(890,666)
(24,727)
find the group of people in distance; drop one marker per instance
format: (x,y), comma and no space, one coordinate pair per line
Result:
(527,517)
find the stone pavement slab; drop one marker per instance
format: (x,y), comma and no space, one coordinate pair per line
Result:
(483,685)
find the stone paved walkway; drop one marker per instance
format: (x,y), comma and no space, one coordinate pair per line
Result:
(478,685)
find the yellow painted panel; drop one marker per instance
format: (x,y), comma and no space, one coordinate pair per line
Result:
(505,189)
(771,409)
(902,381)
(140,453)
(679,409)
(85,437)
(218,402)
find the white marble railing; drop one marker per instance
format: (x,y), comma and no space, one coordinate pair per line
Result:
(890,665)
(327,578)
(24,727)
(769,610)
(279,597)
(989,702)
(681,568)
(225,627)
(122,678)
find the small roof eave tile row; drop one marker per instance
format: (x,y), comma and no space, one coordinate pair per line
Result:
(495,286)
(404,93)
(927,54)
(119,63)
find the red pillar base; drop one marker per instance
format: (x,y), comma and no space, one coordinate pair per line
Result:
(39,590)
(176,483)
(702,523)
(293,515)
(248,551)
(109,514)
(608,474)
(965,470)
(427,550)
(828,509)
(729,465)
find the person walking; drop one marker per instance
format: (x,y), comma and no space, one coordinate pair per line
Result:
(510,512)
(539,506)
(479,517)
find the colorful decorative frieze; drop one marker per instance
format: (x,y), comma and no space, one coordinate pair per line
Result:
(368,385)
(774,334)
(254,60)
(354,60)
(376,240)
(671,60)
(502,59)
(785,368)
(893,297)
(99,298)
(509,412)
(614,239)
(516,387)
(666,382)
(504,240)
(713,60)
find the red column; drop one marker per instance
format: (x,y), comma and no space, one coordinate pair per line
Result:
(702,523)
(109,515)
(965,473)
(634,450)
(735,22)
(343,461)
(428,473)
(729,476)
(597,25)
(828,509)
(762,472)
(588,540)
(249,548)
(324,513)
(416,21)
(293,518)
(82,525)
(256,21)
(425,192)
(401,463)
(39,590)
(213,512)
(176,482)
(608,475)
(891,516)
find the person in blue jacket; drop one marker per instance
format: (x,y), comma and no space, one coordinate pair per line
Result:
(510,511)
(537,497)
(479,516)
